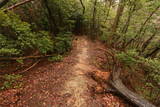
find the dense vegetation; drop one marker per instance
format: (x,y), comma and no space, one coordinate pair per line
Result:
(130,28)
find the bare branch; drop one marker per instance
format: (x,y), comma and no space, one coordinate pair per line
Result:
(18,4)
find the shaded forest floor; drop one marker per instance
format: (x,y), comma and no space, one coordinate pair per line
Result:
(64,84)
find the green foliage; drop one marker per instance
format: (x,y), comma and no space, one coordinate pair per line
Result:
(149,91)
(9,52)
(56,58)
(20,61)
(11,81)
(128,58)
(63,42)
(63,12)
(12,77)
(105,35)
(44,43)
(17,36)
(151,68)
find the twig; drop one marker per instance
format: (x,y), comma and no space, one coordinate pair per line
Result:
(30,67)
(25,57)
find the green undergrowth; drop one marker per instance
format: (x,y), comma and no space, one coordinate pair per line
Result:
(55,58)
(17,38)
(148,67)
(9,81)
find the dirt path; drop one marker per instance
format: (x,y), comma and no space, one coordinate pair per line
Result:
(78,83)
(62,84)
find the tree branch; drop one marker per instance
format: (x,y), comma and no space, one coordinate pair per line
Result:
(23,58)
(82,6)
(18,4)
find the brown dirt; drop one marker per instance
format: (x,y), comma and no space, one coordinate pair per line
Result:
(63,84)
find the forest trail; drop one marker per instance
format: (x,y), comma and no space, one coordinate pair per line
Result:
(78,83)
(65,83)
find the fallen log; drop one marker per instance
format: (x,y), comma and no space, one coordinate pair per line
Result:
(134,98)
(23,58)
(121,89)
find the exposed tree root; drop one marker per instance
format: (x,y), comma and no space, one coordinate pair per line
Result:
(134,98)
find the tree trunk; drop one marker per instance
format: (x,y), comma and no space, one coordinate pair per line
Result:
(143,25)
(51,19)
(153,53)
(125,28)
(118,16)
(145,22)
(145,44)
(93,28)
(108,11)
(82,6)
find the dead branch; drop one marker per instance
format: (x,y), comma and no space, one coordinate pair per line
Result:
(23,58)
(30,67)
(17,5)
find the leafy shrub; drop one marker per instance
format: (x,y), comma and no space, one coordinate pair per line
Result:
(11,81)
(7,47)
(15,29)
(9,52)
(63,42)
(20,61)
(151,66)
(44,42)
(56,58)
(12,77)
(128,58)
(17,36)
(105,35)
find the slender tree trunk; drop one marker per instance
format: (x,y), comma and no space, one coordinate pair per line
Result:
(60,18)
(53,25)
(139,41)
(131,11)
(145,44)
(118,16)
(93,28)
(125,28)
(108,11)
(153,53)
(82,6)
(143,25)
(148,19)
(116,22)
